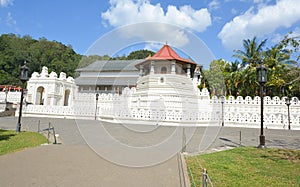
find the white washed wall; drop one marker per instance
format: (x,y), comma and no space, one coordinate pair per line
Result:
(13,97)
(127,108)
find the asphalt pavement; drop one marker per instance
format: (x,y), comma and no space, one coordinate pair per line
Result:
(90,153)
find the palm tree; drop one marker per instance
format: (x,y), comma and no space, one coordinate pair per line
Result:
(252,52)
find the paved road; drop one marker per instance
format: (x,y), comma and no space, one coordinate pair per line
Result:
(152,148)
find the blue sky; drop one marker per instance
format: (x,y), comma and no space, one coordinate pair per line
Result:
(220,25)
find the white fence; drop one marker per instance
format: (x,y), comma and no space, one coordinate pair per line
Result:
(127,108)
(13,97)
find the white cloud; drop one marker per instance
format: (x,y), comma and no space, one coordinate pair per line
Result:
(276,38)
(157,32)
(264,21)
(214,5)
(137,11)
(10,21)
(153,46)
(5,3)
(130,12)
(233,11)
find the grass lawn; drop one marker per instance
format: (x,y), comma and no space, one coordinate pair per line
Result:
(247,166)
(10,141)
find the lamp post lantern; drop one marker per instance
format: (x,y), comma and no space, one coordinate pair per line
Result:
(261,71)
(23,77)
(222,102)
(288,103)
(97,97)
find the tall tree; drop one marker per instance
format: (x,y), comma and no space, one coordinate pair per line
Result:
(251,53)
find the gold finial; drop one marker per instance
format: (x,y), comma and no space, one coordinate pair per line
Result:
(204,86)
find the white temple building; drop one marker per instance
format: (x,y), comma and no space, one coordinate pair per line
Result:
(49,89)
(107,76)
(159,90)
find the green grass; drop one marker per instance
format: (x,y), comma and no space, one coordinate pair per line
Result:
(10,141)
(247,166)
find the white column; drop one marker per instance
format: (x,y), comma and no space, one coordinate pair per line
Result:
(188,71)
(141,70)
(173,68)
(152,68)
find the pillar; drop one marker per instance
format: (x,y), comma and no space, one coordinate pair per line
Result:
(188,71)
(152,68)
(173,68)
(141,70)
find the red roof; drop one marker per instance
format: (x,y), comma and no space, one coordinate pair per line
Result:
(167,53)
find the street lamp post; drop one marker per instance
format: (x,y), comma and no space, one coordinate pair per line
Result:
(23,77)
(222,102)
(97,97)
(262,79)
(288,103)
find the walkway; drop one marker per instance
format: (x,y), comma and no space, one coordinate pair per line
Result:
(74,163)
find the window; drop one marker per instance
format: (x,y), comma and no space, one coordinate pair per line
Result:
(163,70)
(162,80)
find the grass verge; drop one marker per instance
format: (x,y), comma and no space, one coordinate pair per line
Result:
(247,166)
(10,141)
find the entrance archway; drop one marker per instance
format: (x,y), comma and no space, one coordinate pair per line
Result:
(39,96)
(67,96)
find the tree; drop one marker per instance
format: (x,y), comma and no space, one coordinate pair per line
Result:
(252,52)
(281,60)
(140,54)
(215,77)
(14,50)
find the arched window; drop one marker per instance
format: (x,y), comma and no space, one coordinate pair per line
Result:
(40,96)
(163,70)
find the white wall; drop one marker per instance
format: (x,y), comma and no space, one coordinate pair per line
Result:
(239,112)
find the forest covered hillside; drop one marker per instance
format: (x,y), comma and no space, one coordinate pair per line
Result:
(14,50)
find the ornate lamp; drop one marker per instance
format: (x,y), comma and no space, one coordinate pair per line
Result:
(261,71)
(23,77)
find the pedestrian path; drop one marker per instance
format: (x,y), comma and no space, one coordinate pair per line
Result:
(74,163)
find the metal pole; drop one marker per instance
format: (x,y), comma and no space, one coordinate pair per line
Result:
(240,138)
(39,123)
(18,129)
(289,119)
(48,132)
(54,136)
(183,149)
(261,137)
(223,114)
(96,108)
(204,178)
